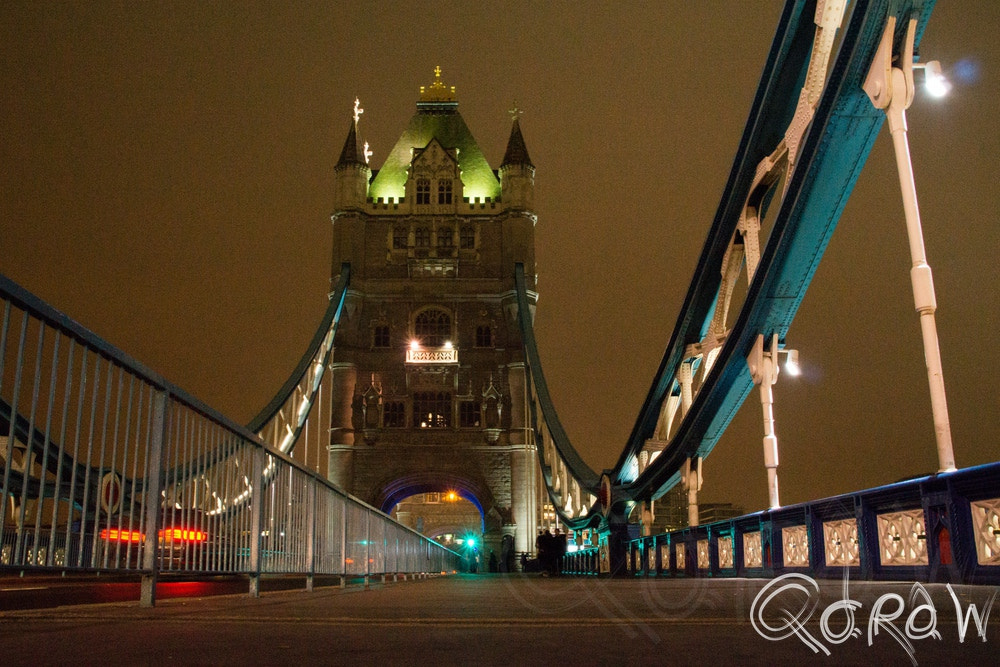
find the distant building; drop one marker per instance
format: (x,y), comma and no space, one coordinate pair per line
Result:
(712,512)
(671,511)
(428,366)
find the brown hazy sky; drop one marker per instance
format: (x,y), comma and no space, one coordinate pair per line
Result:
(166,174)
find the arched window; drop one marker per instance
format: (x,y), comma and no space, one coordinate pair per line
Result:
(432,327)
(380,335)
(399,238)
(394,414)
(444,192)
(423,191)
(467,238)
(445,238)
(432,409)
(422,237)
(484,336)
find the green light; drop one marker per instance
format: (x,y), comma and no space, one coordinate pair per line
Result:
(472,542)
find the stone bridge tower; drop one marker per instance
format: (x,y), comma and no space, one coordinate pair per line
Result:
(429,377)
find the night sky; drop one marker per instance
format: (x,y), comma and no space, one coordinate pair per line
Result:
(166,174)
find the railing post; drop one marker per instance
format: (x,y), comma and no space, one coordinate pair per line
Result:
(257,519)
(343,542)
(311,535)
(151,499)
(368,548)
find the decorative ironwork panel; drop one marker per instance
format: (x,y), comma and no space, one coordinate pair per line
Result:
(724,547)
(986,522)
(795,541)
(841,541)
(902,539)
(651,558)
(679,555)
(702,554)
(753,553)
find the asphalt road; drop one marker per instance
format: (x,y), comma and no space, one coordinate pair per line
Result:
(524,620)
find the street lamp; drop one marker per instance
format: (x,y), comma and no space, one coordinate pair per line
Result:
(891,88)
(935,82)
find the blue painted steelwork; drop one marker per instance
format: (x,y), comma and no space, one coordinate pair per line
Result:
(544,419)
(957,550)
(834,150)
(829,161)
(578,468)
(328,326)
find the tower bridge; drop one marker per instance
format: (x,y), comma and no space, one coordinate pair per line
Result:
(424,376)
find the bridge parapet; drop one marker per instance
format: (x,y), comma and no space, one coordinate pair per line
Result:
(939,528)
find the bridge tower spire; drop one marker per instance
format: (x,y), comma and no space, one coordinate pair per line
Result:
(351,173)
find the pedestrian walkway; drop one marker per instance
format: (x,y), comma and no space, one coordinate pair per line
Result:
(514,620)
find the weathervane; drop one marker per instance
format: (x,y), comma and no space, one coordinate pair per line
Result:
(514,112)
(357,111)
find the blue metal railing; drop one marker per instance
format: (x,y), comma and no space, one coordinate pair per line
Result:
(106,466)
(943,527)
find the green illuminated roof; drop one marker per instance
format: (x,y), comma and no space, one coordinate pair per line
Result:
(437,117)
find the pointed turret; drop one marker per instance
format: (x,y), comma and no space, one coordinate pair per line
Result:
(349,155)
(351,173)
(517,152)
(517,174)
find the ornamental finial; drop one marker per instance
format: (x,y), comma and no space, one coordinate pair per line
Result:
(437,91)
(514,112)
(357,111)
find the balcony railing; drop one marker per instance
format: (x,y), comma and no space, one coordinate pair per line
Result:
(432,355)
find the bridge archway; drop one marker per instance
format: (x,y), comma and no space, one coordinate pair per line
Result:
(429,481)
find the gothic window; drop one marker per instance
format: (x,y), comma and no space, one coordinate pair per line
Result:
(432,409)
(423,191)
(380,335)
(444,238)
(399,238)
(469,414)
(444,192)
(394,414)
(484,336)
(467,238)
(422,237)
(432,327)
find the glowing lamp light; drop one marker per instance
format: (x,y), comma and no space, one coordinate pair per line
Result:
(792,363)
(471,542)
(414,344)
(183,535)
(935,82)
(448,345)
(452,496)
(115,535)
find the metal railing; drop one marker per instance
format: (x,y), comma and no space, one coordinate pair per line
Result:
(106,466)
(943,527)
